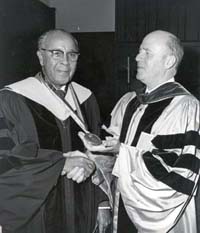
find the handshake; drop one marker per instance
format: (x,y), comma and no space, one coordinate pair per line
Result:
(78,166)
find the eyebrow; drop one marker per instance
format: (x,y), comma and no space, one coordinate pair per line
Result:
(146,49)
(143,48)
(70,51)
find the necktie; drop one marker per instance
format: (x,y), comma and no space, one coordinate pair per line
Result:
(60,93)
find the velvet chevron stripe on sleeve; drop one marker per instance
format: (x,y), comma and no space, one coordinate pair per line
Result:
(172,179)
(177,140)
(185,160)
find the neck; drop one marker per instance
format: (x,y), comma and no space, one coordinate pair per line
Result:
(161,79)
(55,86)
(150,88)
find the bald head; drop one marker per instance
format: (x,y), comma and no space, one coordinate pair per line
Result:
(170,41)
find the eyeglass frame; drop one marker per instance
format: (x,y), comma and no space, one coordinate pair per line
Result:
(63,53)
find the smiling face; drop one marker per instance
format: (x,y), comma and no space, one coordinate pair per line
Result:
(151,59)
(57,71)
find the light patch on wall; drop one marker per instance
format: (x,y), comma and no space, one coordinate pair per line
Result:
(85,15)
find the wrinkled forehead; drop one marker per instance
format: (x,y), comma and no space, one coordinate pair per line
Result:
(61,40)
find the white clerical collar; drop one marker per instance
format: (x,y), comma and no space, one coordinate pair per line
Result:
(149,91)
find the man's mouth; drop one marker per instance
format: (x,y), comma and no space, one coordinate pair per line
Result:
(139,68)
(63,71)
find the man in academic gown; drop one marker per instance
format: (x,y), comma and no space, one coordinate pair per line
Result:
(156,142)
(39,120)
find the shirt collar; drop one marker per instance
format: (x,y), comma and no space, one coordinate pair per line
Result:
(41,77)
(149,91)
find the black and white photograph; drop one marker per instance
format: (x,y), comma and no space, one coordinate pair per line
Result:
(99,116)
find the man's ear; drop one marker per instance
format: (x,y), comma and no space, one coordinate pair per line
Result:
(170,61)
(40,57)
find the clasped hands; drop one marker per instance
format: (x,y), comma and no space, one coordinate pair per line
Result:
(77,166)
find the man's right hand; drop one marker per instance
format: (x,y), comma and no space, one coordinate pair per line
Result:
(110,145)
(77,166)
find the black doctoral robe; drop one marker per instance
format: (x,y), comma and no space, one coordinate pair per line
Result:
(34,197)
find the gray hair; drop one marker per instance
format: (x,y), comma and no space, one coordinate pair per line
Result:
(176,48)
(42,39)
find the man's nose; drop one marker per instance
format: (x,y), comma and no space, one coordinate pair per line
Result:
(65,58)
(138,57)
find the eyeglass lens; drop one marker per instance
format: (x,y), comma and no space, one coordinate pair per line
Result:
(59,54)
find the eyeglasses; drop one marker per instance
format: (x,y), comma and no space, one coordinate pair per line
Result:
(58,54)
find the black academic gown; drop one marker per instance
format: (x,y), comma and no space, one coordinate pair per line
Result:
(64,206)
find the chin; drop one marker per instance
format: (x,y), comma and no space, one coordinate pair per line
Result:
(141,79)
(64,80)
(138,77)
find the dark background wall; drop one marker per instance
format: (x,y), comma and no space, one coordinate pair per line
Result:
(95,66)
(21,22)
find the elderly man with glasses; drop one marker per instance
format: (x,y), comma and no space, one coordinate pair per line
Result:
(44,175)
